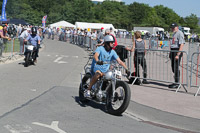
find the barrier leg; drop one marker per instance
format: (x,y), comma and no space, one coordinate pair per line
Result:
(197,92)
(178,88)
(184,88)
(134,81)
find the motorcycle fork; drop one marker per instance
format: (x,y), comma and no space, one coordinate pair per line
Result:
(81,80)
(113,87)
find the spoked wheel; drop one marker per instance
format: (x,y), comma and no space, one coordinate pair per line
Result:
(118,104)
(85,85)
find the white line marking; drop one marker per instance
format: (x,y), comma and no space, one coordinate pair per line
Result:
(58,60)
(65,56)
(74,56)
(62,62)
(33,90)
(16,128)
(53,126)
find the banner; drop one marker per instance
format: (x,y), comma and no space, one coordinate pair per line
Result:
(44,21)
(3,13)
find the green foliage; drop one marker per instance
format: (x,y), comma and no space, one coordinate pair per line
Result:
(117,13)
(166,15)
(192,21)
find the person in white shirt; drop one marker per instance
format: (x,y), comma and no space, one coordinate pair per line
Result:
(124,34)
(22,37)
(19,30)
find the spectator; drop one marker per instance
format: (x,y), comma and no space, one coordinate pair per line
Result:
(139,46)
(177,45)
(22,38)
(100,36)
(3,37)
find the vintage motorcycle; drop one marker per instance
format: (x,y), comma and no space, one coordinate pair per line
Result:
(109,90)
(30,55)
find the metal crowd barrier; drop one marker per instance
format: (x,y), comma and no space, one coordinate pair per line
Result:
(195,72)
(85,41)
(158,67)
(8,49)
(192,48)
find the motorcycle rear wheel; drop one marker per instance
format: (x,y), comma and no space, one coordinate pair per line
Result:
(120,102)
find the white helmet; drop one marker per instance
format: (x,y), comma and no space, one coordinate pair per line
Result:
(109,38)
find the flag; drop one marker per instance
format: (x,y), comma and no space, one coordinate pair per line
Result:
(44,21)
(3,13)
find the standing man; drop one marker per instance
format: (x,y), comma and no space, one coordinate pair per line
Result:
(3,38)
(100,36)
(176,54)
(22,38)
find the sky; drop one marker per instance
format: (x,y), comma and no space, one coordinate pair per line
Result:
(182,7)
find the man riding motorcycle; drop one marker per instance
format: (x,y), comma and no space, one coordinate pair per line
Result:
(34,40)
(103,54)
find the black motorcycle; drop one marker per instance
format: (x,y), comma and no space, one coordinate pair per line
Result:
(30,55)
(109,90)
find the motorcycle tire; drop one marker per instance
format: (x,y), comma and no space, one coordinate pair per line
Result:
(85,81)
(27,60)
(126,99)
(34,57)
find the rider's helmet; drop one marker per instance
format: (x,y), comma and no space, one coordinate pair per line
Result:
(34,30)
(107,40)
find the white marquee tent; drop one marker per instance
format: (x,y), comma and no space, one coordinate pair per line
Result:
(62,24)
(96,26)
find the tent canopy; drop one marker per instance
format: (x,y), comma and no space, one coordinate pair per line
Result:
(18,21)
(15,21)
(62,24)
(96,26)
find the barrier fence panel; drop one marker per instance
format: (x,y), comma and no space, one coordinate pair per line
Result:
(9,48)
(157,66)
(195,71)
(192,48)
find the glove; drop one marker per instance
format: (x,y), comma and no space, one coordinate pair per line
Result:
(128,72)
(100,62)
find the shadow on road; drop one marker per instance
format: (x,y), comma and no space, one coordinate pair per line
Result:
(93,105)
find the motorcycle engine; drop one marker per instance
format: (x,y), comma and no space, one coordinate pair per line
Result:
(100,95)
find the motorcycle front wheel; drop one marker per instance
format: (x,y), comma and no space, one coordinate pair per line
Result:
(119,103)
(27,59)
(83,86)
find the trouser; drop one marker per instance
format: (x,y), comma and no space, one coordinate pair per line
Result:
(75,39)
(175,64)
(49,35)
(71,38)
(139,59)
(52,36)
(21,45)
(1,46)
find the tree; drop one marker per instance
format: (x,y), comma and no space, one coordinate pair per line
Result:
(166,15)
(192,21)
(139,12)
(152,20)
